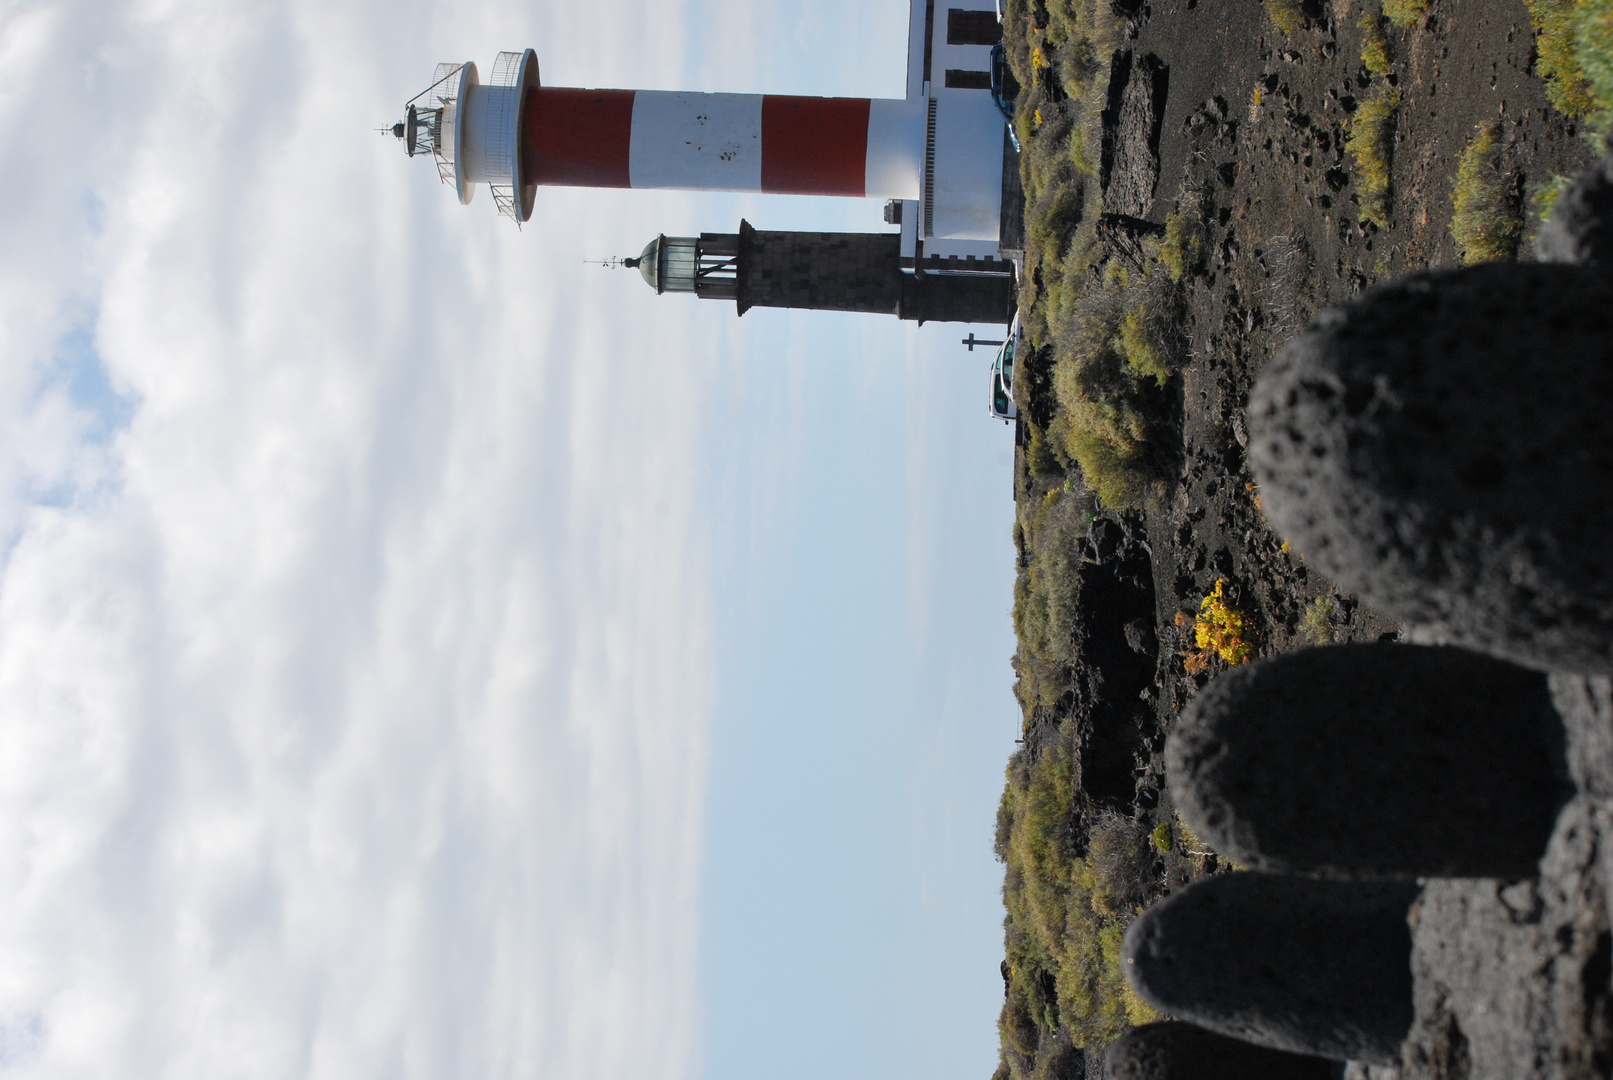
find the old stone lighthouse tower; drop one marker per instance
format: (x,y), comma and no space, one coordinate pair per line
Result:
(822,272)
(939,156)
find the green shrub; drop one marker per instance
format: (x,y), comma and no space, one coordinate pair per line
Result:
(1095,1000)
(1140,346)
(1316,625)
(1574,44)
(1080,67)
(1593,42)
(1063,926)
(1111,355)
(1182,249)
(1404,13)
(1069,281)
(1112,345)
(1543,196)
(1117,471)
(1163,841)
(1487,221)
(1370,142)
(1558,60)
(1039,454)
(1075,50)
(1108,362)
(1047,594)
(1374,44)
(1285,15)
(1052,221)
(1042,842)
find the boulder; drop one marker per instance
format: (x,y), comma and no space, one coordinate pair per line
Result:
(1443,447)
(1304,965)
(1373,760)
(1173,1050)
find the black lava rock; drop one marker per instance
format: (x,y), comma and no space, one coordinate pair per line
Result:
(1298,964)
(1580,229)
(1443,447)
(1373,760)
(1172,1050)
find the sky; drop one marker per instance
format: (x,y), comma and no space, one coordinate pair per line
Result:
(425,654)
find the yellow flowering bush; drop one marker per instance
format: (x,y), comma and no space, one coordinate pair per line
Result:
(1219,628)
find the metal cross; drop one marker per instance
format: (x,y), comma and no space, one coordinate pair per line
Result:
(972,341)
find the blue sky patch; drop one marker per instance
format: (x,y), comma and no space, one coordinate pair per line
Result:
(77,366)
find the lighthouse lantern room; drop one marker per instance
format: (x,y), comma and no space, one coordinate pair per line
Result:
(473,132)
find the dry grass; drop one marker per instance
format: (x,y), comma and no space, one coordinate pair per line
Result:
(1287,295)
(1119,852)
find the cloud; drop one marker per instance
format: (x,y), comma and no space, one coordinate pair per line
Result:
(355,620)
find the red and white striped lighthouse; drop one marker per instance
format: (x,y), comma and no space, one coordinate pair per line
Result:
(515,135)
(941,153)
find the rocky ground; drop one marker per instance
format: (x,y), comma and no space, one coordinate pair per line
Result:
(1247,124)
(1286,239)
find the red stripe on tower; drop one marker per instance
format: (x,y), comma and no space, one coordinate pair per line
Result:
(581,138)
(814,146)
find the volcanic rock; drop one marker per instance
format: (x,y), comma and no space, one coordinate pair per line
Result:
(1382,759)
(1172,1050)
(1441,447)
(1298,964)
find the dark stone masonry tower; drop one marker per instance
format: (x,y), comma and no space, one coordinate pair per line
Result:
(820,271)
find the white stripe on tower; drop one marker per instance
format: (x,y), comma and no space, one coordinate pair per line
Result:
(696,142)
(895,168)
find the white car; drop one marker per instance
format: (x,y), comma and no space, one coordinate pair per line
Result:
(1002,376)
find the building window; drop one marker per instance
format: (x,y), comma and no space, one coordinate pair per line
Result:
(973,27)
(968,80)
